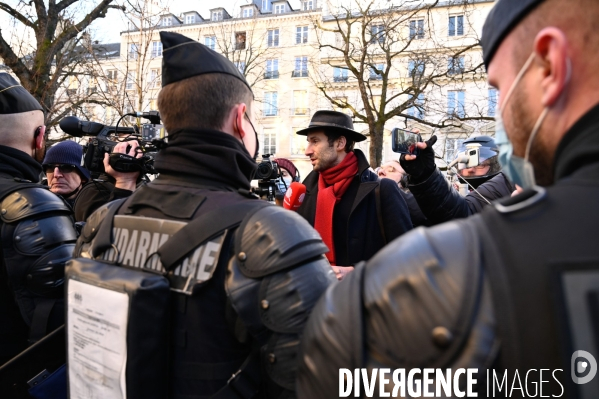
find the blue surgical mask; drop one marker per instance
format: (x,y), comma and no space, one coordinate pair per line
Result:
(283,184)
(518,169)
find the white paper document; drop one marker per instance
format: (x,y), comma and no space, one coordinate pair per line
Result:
(97,344)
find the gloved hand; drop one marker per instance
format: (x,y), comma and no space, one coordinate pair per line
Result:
(420,167)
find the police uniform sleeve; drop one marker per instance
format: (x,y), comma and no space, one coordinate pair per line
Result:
(38,238)
(422,301)
(276,276)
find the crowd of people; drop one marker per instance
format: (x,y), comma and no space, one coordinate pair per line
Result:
(229,296)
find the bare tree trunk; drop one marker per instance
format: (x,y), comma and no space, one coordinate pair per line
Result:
(376,144)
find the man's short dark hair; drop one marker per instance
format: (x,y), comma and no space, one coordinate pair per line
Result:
(201,102)
(332,136)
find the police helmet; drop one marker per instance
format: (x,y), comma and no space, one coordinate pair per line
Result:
(488,152)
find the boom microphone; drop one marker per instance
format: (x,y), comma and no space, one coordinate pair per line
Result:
(75,127)
(294,197)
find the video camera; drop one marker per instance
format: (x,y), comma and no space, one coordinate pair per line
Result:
(267,174)
(150,138)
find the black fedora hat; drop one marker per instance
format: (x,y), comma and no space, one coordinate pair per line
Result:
(333,121)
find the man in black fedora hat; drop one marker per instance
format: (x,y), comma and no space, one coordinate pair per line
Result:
(354,212)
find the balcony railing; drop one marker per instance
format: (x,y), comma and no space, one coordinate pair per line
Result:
(92,90)
(340,79)
(299,74)
(270,112)
(299,111)
(271,75)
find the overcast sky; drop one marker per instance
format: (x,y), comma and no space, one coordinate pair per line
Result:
(107,30)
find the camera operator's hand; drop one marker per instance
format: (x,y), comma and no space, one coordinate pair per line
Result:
(126,181)
(422,166)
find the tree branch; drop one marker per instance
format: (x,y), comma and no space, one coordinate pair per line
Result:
(14,13)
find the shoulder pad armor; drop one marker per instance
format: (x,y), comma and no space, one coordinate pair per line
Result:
(523,200)
(93,222)
(420,302)
(427,286)
(30,201)
(273,239)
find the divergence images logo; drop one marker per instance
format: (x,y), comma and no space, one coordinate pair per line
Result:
(583,366)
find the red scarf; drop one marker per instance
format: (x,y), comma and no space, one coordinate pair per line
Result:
(332,184)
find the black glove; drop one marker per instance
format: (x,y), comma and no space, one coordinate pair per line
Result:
(423,166)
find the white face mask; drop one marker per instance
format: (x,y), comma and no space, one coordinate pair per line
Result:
(519,170)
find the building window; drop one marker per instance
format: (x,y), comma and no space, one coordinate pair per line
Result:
(376,72)
(269,141)
(298,143)
(307,5)
(416,68)
(273,38)
(417,29)
(155,78)
(265,5)
(156,49)
(456,25)
(417,110)
(210,42)
(240,40)
(492,99)
(270,104)
(456,103)
(111,79)
(301,34)
(167,21)
(301,67)
(241,66)
(300,102)
(272,69)
(190,19)
(451,148)
(217,16)
(456,65)
(377,34)
(248,12)
(339,74)
(130,85)
(279,8)
(133,51)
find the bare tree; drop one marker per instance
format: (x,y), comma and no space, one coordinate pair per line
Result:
(379,63)
(56,27)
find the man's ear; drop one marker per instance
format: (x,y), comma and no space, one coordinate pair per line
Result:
(239,117)
(341,142)
(552,53)
(39,137)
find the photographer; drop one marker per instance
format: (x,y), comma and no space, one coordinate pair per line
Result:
(109,186)
(441,202)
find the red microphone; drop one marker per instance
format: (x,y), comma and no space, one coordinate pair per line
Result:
(294,196)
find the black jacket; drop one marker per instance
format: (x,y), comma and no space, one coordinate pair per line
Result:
(357,234)
(440,202)
(94,194)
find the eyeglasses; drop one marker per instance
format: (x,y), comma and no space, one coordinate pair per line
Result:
(62,167)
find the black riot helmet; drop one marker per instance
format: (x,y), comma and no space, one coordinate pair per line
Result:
(487,157)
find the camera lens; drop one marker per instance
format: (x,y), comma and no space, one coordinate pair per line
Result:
(473,152)
(264,170)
